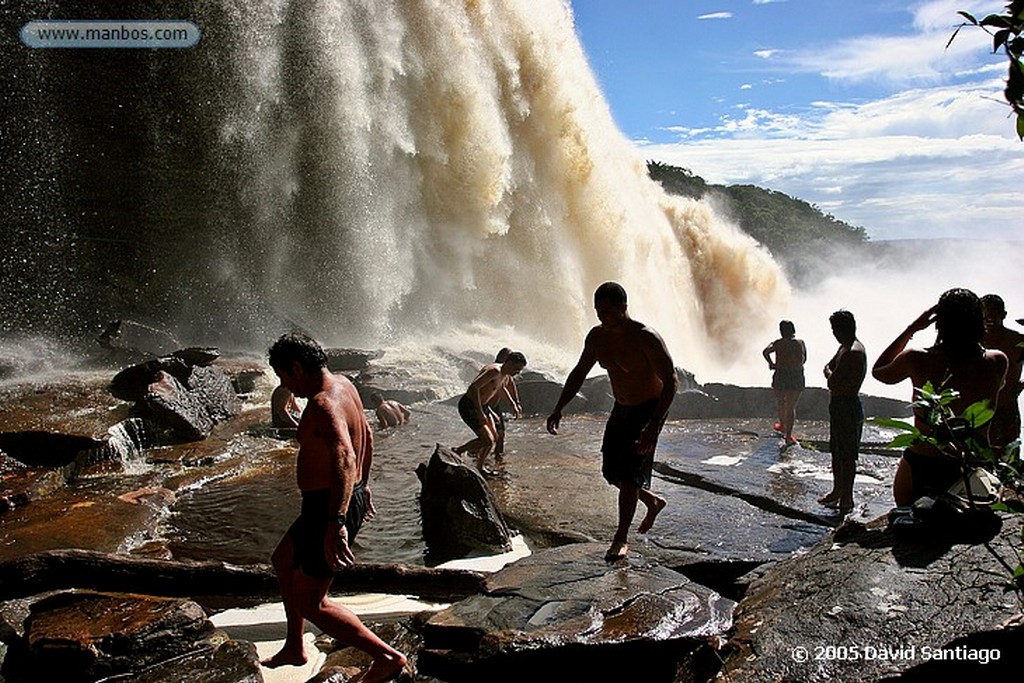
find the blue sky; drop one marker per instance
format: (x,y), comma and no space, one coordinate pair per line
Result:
(856,106)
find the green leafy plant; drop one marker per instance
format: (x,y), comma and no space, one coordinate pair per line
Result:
(961,437)
(1005,30)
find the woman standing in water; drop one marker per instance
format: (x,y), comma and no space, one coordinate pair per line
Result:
(788,380)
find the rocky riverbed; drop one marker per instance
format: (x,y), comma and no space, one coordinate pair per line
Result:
(745,564)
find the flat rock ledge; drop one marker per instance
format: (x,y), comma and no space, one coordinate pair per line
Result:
(567,610)
(874,606)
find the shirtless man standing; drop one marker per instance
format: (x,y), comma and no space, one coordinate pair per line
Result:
(844,374)
(332,471)
(1005,425)
(956,361)
(475,411)
(644,382)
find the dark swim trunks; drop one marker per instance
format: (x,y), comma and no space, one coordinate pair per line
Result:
(309,530)
(791,379)
(845,424)
(467,411)
(620,461)
(931,475)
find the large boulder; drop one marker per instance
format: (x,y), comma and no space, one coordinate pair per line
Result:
(568,611)
(85,636)
(458,510)
(187,411)
(868,605)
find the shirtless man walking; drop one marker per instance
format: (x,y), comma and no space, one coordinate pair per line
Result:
(1005,424)
(474,406)
(644,382)
(332,471)
(957,361)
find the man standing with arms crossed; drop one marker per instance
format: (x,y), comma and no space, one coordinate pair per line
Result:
(844,373)
(644,382)
(332,471)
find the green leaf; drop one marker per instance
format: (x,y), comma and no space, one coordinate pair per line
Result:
(1020,127)
(999,39)
(997,20)
(893,424)
(904,441)
(969,17)
(978,414)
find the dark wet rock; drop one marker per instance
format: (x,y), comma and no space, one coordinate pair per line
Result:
(132,383)
(727,400)
(34,464)
(877,606)
(182,412)
(347,663)
(566,609)
(130,335)
(392,386)
(349,360)
(86,636)
(199,356)
(231,661)
(458,510)
(245,381)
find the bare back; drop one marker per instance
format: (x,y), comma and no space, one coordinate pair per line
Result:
(631,353)
(978,378)
(1009,342)
(789,352)
(333,436)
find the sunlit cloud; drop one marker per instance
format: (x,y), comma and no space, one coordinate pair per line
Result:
(716,15)
(919,162)
(764,54)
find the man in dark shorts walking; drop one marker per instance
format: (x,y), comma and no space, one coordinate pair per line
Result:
(644,382)
(332,471)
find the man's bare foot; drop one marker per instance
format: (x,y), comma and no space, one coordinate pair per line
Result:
(384,669)
(617,551)
(652,511)
(286,657)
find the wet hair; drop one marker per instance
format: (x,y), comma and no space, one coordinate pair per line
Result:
(376,399)
(843,321)
(787,328)
(516,358)
(994,302)
(611,292)
(296,346)
(502,355)
(959,323)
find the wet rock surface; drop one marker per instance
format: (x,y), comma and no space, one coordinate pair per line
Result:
(567,609)
(459,512)
(85,636)
(872,606)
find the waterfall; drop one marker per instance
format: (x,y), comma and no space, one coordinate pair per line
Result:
(371,171)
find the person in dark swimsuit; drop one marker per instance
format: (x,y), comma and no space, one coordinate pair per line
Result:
(790,354)
(332,471)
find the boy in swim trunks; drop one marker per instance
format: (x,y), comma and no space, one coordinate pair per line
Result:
(643,380)
(475,409)
(332,471)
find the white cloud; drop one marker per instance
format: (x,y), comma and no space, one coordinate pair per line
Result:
(918,57)
(935,161)
(765,54)
(746,86)
(716,15)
